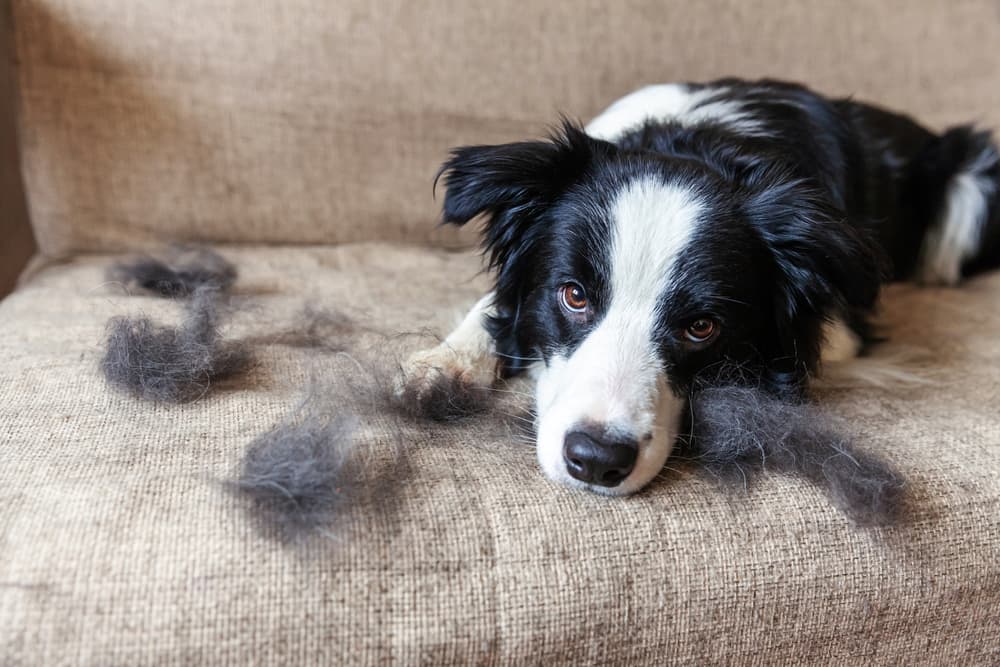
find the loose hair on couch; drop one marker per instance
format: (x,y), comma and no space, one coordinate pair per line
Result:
(179,273)
(314,327)
(444,399)
(173,364)
(303,472)
(737,431)
(307,468)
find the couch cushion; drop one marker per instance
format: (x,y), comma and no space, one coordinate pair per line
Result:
(118,546)
(291,121)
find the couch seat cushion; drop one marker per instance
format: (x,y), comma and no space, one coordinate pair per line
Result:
(118,544)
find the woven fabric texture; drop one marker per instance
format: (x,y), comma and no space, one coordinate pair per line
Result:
(118,545)
(325,122)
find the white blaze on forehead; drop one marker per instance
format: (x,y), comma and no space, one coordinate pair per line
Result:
(651,223)
(672,102)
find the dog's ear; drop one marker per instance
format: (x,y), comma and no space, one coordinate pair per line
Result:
(822,266)
(514,184)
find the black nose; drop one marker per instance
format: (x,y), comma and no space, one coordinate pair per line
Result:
(595,458)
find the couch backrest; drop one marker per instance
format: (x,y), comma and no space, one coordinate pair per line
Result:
(314,121)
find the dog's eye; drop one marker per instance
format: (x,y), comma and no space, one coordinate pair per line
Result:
(573,298)
(701,330)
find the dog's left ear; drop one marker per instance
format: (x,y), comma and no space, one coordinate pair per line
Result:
(822,265)
(513,185)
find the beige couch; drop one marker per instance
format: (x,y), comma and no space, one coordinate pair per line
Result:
(302,137)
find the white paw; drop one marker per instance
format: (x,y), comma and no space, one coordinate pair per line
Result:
(444,366)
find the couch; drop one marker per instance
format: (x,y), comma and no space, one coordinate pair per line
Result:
(300,139)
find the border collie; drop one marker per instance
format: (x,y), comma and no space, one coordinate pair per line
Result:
(690,227)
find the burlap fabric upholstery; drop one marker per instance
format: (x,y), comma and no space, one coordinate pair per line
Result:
(323,122)
(120,548)
(303,122)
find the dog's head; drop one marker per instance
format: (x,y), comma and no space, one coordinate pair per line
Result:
(624,277)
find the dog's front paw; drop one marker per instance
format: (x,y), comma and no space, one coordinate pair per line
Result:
(443,384)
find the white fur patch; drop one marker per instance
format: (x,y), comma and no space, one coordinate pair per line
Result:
(671,102)
(956,236)
(840,343)
(615,378)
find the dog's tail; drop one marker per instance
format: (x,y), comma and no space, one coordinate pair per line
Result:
(963,166)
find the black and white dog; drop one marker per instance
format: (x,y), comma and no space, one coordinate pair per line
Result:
(690,227)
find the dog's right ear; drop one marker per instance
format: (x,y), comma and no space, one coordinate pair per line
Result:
(514,184)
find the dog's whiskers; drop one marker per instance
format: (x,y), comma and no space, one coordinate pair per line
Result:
(514,357)
(512,392)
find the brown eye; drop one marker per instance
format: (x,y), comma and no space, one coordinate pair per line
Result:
(573,298)
(700,330)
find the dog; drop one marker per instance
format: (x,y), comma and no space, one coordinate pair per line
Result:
(693,227)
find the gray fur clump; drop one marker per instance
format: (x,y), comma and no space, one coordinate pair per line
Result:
(172,364)
(738,430)
(179,274)
(301,473)
(445,398)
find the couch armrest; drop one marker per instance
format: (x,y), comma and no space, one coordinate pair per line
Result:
(17,243)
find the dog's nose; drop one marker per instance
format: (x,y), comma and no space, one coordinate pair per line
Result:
(598,459)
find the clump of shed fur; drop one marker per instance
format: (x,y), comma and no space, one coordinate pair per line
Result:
(179,273)
(443,398)
(738,430)
(303,472)
(172,364)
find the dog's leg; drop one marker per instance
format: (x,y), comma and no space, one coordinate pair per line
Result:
(466,355)
(840,342)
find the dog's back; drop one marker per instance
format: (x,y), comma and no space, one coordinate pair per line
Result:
(930,200)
